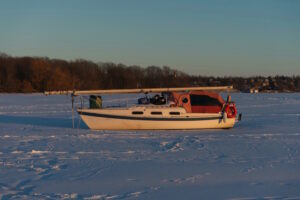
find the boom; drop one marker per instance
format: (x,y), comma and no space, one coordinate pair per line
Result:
(141,90)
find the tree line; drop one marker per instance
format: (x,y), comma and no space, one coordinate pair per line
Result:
(39,74)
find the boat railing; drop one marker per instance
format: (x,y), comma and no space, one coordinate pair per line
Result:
(122,102)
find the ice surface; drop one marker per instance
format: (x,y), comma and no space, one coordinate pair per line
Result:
(42,157)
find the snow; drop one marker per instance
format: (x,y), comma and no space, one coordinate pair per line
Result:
(43,157)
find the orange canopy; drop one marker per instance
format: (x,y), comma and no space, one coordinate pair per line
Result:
(198,101)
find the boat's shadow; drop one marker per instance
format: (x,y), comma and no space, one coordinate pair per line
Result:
(43,121)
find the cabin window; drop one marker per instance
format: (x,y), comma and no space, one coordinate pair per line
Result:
(203,100)
(137,112)
(174,113)
(185,100)
(156,113)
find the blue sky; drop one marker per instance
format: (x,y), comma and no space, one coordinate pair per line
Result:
(224,37)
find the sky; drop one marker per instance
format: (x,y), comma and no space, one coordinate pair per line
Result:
(201,37)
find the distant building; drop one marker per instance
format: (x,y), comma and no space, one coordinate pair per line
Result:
(253,90)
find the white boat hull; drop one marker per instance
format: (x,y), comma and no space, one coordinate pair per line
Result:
(102,119)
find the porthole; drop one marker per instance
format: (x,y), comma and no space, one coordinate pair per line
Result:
(156,113)
(185,100)
(174,113)
(137,112)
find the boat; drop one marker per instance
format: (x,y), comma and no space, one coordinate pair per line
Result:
(167,109)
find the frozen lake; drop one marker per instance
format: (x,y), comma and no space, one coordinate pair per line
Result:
(43,157)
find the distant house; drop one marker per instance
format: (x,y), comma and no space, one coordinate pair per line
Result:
(253,90)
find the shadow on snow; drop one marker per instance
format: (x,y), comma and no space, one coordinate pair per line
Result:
(42,121)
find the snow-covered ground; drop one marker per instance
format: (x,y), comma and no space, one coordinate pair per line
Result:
(42,157)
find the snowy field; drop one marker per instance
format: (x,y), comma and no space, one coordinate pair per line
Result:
(42,157)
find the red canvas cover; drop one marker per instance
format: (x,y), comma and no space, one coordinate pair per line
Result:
(177,98)
(217,107)
(209,94)
(206,109)
(218,103)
